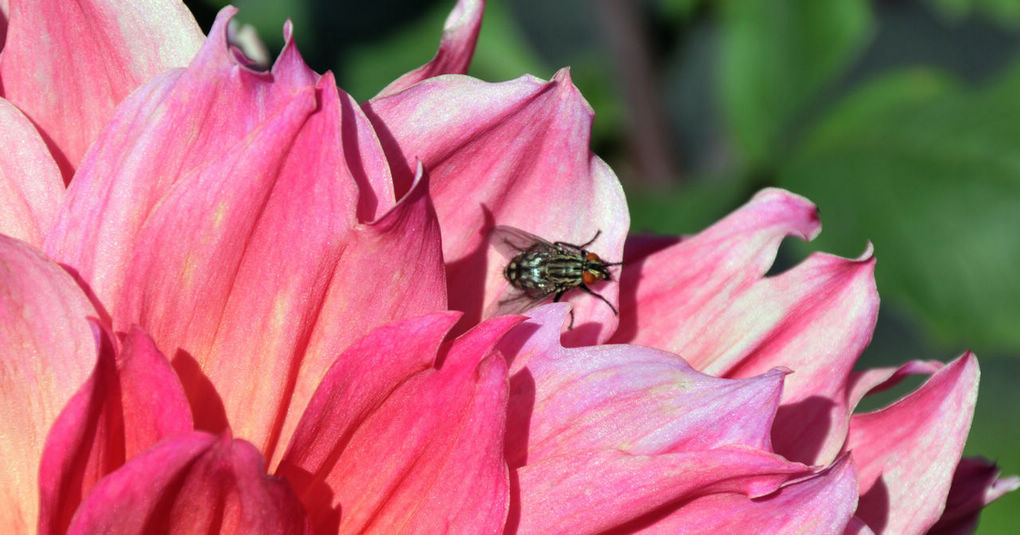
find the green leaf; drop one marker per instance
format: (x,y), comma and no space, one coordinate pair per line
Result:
(931,174)
(777,55)
(1005,12)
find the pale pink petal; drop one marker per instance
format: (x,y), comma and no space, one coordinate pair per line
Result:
(906,453)
(460,33)
(820,505)
(976,483)
(192,483)
(702,274)
(706,299)
(47,351)
(504,154)
(857,527)
(127,405)
(874,380)
(440,433)
(68,64)
(633,399)
(390,269)
(558,494)
(31,188)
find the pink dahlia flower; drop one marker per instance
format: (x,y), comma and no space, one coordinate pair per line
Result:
(238,301)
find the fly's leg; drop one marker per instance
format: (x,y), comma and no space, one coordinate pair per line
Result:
(579,247)
(604,300)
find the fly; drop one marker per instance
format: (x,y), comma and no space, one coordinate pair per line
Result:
(540,269)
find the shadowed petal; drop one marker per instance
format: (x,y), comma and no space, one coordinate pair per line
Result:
(558,495)
(496,154)
(127,405)
(192,483)
(706,299)
(628,398)
(976,483)
(94,54)
(441,434)
(460,33)
(47,351)
(31,188)
(820,505)
(906,453)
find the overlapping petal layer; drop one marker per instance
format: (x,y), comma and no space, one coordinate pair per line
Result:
(192,483)
(93,55)
(47,350)
(500,153)
(707,299)
(31,188)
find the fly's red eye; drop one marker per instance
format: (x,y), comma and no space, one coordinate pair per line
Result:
(588,277)
(592,257)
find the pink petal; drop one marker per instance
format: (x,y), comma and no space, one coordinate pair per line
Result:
(94,53)
(47,351)
(857,527)
(557,495)
(141,156)
(116,414)
(153,399)
(460,33)
(629,398)
(976,483)
(907,452)
(875,380)
(431,454)
(192,483)
(31,188)
(400,253)
(497,153)
(357,383)
(822,505)
(706,299)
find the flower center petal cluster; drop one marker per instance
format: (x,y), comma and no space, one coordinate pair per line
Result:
(238,301)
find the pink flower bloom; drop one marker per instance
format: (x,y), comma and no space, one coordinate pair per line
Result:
(239,316)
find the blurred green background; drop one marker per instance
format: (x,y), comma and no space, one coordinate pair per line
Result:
(900,119)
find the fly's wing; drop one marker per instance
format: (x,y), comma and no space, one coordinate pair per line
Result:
(511,241)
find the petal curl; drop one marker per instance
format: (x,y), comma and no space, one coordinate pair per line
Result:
(514,153)
(820,505)
(906,453)
(47,351)
(438,440)
(556,495)
(706,299)
(31,188)
(460,34)
(976,483)
(192,483)
(95,52)
(627,398)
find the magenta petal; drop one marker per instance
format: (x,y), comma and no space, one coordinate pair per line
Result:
(559,496)
(819,505)
(633,399)
(490,150)
(192,483)
(356,384)
(153,399)
(906,453)
(976,483)
(94,54)
(431,454)
(47,351)
(31,188)
(460,33)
